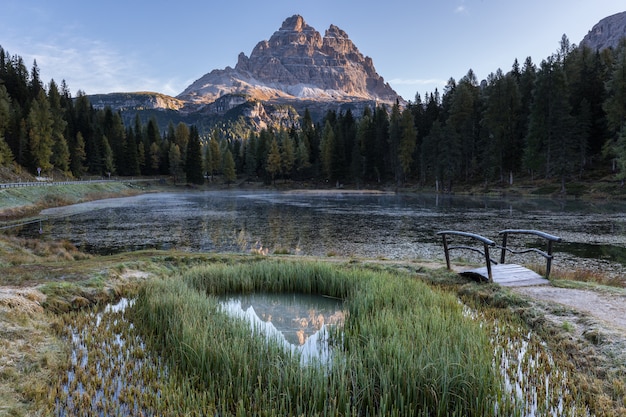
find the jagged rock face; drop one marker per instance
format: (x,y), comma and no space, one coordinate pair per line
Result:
(607,33)
(297,63)
(136,101)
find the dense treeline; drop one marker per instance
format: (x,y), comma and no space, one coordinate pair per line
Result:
(555,120)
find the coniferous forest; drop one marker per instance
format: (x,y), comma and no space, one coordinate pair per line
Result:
(559,120)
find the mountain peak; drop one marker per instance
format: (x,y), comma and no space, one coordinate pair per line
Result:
(297,63)
(295,23)
(334,32)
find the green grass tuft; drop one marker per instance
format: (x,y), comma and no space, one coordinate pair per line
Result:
(405,349)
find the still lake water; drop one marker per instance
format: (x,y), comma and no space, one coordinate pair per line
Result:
(378,225)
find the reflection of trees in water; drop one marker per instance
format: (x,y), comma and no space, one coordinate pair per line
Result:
(392,226)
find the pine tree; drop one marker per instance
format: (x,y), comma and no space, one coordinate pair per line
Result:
(356,163)
(366,137)
(273,165)
(152,143)
(463,125)
(6,156)
(228,167)
(154,156)
(250,163)
(287,152)
(393,139)
(131,156)
(84,123)
(327,148)
(176,168)
(60,151)
(621,153)
(181,138)
(303,154)
(552,144)
(40,132)
(615,104)
(500,123)
(78,157)
(193,164)
(430,162)
(108,160)
(214,154)
(408,138)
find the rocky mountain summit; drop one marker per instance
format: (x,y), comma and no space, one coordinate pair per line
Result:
(297,63)
(296,69)
(607,33)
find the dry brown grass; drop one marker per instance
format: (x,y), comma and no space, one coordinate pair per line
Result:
(19,251)
(30,352)
(590,275)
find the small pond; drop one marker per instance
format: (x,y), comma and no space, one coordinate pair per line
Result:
(298,321)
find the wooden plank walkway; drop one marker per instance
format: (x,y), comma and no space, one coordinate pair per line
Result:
(508,275)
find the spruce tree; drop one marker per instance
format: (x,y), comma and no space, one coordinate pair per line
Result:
(6,156)
(40,125)
(408,138)
(131,157)
(327,149)
(176,165)
(108,160)
(273,165)
(78,157)
(60,151)
(228,167)
(193,164)
(287,152)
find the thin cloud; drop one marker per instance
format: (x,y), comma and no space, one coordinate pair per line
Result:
(87,65)
(461,8)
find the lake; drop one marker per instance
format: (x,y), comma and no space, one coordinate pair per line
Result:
(396,226)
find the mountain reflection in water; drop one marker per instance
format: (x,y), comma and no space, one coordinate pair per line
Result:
(297,321)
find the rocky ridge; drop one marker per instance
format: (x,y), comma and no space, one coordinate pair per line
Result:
(297,63)
(607,33)
(136,101)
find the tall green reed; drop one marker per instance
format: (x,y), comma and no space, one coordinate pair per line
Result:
(405,349)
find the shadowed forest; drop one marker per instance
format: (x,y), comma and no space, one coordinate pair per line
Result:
(561,119)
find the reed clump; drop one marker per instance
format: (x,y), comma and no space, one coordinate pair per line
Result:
(405,349)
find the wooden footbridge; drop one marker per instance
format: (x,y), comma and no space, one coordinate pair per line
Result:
(501,272)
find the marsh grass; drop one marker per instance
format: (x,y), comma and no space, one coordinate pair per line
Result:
(589,275)
(405,349)
(19,251)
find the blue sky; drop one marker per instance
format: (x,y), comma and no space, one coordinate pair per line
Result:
(163,46)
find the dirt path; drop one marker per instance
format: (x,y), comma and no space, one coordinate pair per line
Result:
(607,307)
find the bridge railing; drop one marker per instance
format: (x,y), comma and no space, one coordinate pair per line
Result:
(547,254)
(487,243)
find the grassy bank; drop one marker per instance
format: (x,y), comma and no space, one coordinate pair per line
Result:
(20,202)
(404,350)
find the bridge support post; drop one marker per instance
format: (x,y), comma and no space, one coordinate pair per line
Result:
(488,262)
(445,251)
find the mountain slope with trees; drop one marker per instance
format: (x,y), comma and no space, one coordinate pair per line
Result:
(558,120)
